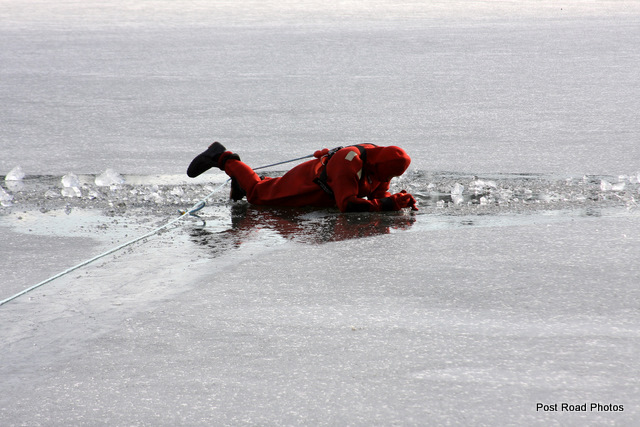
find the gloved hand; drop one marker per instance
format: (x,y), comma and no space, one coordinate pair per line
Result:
(398,201)
(320,153)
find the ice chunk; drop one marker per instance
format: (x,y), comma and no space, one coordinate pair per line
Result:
(108,178)
(177,192)
(5,198)
(71,192)
(51,194)
(93,194)
(16,174)
(618,187)
(480,186)
(480,183)
(70,180)
(506,194)
(607,186)
(71,185)
(457,190)
(457,199)
(154,197)
(456,194)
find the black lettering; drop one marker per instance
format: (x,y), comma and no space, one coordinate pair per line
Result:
(567,407)
(546,408)
(599,407)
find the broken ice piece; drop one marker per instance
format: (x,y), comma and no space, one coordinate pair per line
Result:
(71,192)
(16,174)
(457,189)
(108,178)
(5,198)
(70,180)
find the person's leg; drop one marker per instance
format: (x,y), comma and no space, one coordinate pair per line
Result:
(294,188)
(216,156)
(245,178)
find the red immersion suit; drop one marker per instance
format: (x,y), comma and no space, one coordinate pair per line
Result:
(357,185)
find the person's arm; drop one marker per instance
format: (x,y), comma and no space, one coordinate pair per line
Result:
(344,172)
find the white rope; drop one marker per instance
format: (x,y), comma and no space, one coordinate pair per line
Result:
(193,209)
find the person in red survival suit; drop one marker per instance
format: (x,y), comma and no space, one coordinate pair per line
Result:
(354,178)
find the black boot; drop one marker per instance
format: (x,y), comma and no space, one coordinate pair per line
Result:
(206,160)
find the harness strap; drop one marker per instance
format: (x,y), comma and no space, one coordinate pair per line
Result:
(321,179)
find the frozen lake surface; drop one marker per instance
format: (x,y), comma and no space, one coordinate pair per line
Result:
(485,303)
(527,87)
(512,291)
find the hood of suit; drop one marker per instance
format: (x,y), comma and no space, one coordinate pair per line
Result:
(385,163)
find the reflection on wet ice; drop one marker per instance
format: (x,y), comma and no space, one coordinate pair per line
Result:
(299,225)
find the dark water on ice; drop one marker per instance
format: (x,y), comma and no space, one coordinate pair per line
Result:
(223,224)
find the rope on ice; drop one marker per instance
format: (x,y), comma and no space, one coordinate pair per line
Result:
(192,212)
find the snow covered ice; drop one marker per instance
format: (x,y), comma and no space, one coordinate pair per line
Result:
(513,288)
